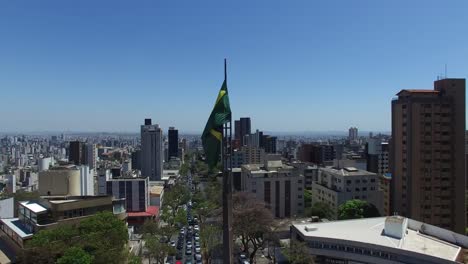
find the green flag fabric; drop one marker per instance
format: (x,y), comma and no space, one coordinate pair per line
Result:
(213,134)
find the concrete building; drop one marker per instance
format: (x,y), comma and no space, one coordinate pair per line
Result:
(381,240)
(244,127)
(275,183)
(238,158)
(253,155)
(353,134)
(173,145)
(385,183)
(315,153)
(86,180)
(10,183)
(60,181)
(253,140)
(377,154)
(428,147)
(76,152)
(152,154)
(90,155)
(136,159)
(44,164)
(50,212)
(269,144)
(309,171)
(335,186)
(133,190)
(156,195)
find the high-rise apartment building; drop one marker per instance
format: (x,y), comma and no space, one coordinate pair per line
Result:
(76,153)
(151,151)
(173,145)
(377,153)
(428,154)
(242,128)
(353,134)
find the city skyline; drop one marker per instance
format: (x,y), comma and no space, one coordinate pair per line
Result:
(106,66)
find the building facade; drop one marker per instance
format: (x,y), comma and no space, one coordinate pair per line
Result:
(335,186)
(353,134)
(317,154)
(428,168)
(276,185)
(173,145)
(377,155)
(152,154)
(133,190)
(380,240)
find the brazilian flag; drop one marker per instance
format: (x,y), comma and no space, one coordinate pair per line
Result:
(213,134)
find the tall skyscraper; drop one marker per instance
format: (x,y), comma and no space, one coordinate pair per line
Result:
(151,151)
(244,129)
(173,136)
(76,153)
(353,134)
(237,130)
(428,154)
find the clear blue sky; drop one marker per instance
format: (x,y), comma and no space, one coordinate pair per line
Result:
(293,65)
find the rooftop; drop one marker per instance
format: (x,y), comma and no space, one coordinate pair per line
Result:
(372,231)
(347,171)
(150,211)
(34,207)
(18,227)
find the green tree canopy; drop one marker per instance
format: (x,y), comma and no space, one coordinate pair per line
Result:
(177,196)
(320,209)
(298,253)
(354,209)
(75,255)
(103,236)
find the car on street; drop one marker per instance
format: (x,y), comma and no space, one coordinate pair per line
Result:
(173,244)
(197,250)
(188,251)
(198,258)
(179,255)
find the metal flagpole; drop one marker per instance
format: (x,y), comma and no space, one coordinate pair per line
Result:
(227,186)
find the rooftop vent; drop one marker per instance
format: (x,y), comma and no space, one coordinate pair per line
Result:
(350,169)
(310,228)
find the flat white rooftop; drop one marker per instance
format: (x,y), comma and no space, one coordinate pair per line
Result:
(34,207)
(371,230)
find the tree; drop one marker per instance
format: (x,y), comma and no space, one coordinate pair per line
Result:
(307,198)
(210,237)
(156,238)
(157,249)
(354,209)
(184,169)
(177,196)
(75,255)
(298,253)
(103,236)
(132,259)
(253,223)
(320,209)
